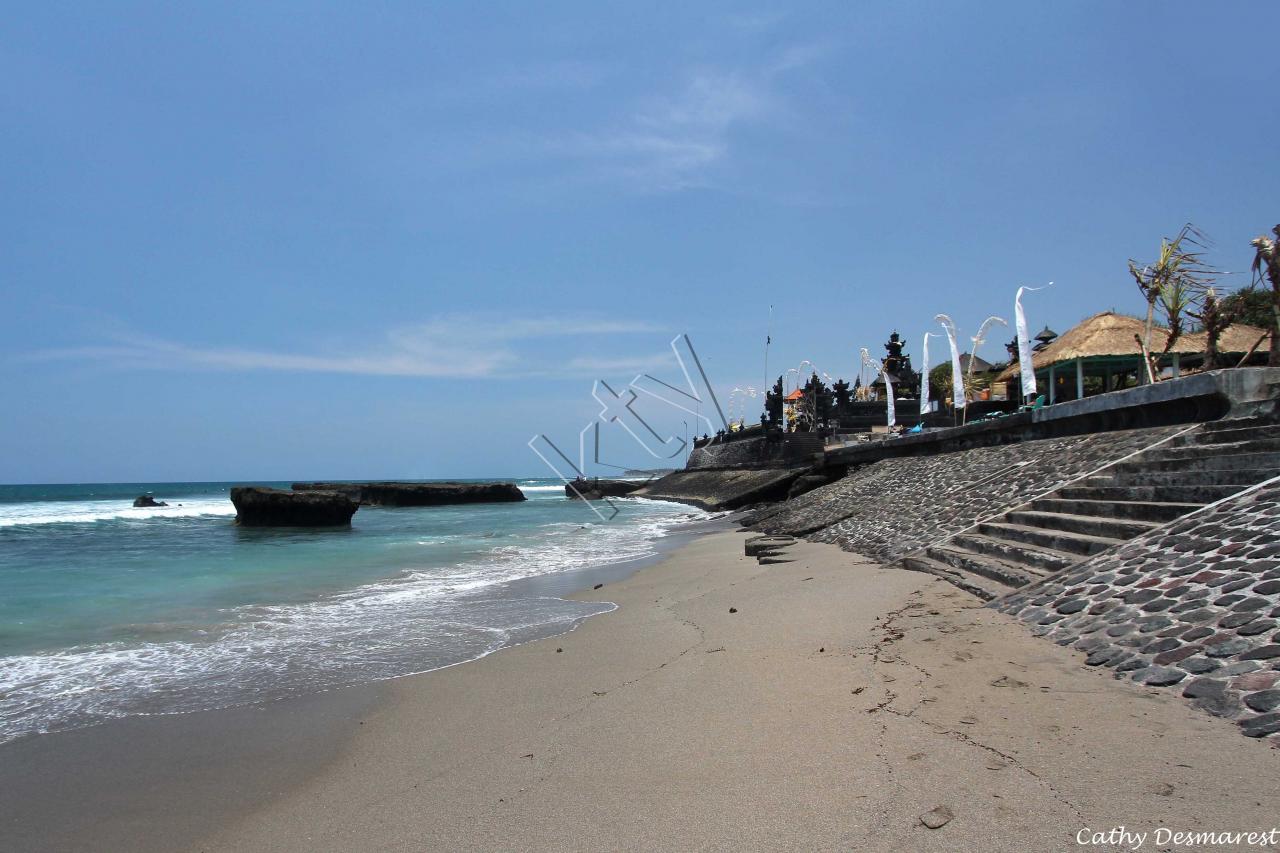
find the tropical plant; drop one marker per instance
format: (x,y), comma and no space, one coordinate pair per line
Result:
(940,384)
(1250,306)
(1266,265)
(1174,281)
(1215,315)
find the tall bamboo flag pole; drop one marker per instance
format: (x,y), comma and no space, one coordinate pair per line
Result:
(957,379)
(981,337)
(924,375)
(891,414)
(1024,344)
(768,339)
(977,342)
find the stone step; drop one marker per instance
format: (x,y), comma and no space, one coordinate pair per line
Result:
(1058,540)
(1247,461)
(984,588)
(1090,525)
(1238,423)
(1137,509)
(1177,494)
(1232,477)
(1226,436)
(1044,560)
(987,566)
(1214,449)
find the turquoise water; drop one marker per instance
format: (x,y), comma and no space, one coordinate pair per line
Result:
(107,610)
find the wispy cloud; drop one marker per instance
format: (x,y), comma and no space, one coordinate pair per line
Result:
(755,22)
(621,365)
(668,142)
(675,140)
(456,346)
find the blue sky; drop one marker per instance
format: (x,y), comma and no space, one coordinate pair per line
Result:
(315,240)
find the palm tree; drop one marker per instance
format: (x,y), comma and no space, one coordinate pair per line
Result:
(1266,264)
(1215,315)
(1174,280)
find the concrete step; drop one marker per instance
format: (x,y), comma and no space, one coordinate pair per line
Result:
(1043,560)
(1226,436)
(1090,525)
(1247,461)
(1231,477)
(1058,540)
(1138,509)
(1176,494)
(985,565)
(1214,449)
(984,588)
(1238,423)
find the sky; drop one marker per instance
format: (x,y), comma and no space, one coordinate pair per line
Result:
(275,241)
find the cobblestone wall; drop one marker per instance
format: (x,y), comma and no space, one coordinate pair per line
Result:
(896,506)
(1192,606)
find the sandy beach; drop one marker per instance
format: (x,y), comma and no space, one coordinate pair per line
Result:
(825,703)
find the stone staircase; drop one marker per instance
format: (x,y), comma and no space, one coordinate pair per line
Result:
(1098,512)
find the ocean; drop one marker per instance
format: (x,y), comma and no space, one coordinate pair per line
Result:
(109,611)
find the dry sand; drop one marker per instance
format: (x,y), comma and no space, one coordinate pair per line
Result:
(837,705)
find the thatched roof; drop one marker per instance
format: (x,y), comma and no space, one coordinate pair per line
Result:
(1111,334)
(980,364)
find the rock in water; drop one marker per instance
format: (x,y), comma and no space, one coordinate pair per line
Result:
(147,500)
(594,489)
(419,494)
(258,506)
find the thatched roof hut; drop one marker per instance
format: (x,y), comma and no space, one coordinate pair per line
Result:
(1106,344)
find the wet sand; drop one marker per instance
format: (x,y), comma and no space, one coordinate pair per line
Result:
(838,706)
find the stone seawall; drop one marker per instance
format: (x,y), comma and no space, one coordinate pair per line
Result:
(780,451)
(1193,606)
(895,506)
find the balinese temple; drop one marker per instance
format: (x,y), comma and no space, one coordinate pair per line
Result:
(837,409)
(1046,337)
(1103,354)
(906,382)
(794,411)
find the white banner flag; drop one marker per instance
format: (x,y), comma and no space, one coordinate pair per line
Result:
(981,337)
(878,367)
(924,375)
(888,392)
(1024,344)
(957,378)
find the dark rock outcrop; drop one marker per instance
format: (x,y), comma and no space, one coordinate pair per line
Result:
(258,506)
(419,494)
(593,488)
(146,501)
(722,489)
